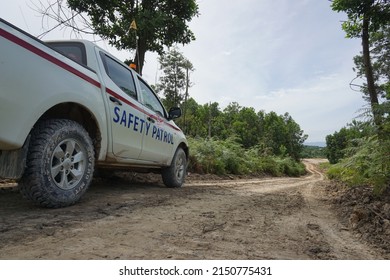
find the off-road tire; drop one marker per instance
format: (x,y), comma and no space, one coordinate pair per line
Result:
(60,164)
(174,175)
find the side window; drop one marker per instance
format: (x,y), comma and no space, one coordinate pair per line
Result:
(150,99)
(121,76)
(73,50)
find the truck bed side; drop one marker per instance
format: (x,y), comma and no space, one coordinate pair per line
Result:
(35,80)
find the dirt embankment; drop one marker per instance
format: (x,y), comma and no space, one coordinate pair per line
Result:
(132,218)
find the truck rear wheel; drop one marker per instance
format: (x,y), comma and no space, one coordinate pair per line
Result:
(174,175)
(60,164)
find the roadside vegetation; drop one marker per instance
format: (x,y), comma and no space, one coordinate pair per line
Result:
(359,160)
(360,151)
(229,157)
(313,152)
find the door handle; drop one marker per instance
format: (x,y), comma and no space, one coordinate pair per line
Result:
(115,100)
(151,119)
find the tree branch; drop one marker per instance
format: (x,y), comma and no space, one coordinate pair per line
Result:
(64,18)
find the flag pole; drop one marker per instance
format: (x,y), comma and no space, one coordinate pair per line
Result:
(133,26)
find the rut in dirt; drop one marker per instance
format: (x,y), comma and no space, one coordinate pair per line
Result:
(272,218)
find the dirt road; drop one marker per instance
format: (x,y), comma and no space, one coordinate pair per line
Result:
(272,218)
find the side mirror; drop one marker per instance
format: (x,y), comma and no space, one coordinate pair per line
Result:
(174,113)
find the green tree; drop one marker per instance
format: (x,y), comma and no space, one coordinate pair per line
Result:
(192,124)
(207,117)
(380,54)
(274,133)
(366,20)
(336,144)
(229,116)
(174,82)
(159,23)
(295,137)
(370,21)
(313,152)
(246,126)
(265,134)
(211,115)
(346,137)
(283,135)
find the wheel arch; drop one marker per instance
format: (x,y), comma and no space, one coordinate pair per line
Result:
(184,146)
(80,114)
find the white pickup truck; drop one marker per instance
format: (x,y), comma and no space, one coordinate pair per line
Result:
(68,108)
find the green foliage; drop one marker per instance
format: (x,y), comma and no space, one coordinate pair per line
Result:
(367,163)
(159,23)
(229,157)
(340,140)
(215,156)
(378,12)
(174,81)
(364,156)
(324,166)
(278,135)
(370,21)
(380,58)
(313,152)
(290,167)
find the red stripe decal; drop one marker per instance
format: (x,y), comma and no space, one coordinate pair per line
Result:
(48,57)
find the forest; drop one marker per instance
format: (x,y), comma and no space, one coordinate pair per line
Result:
(238,140)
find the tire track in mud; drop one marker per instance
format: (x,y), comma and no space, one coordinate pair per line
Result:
(331,239)
(312,218)
(271,218)
(325,225)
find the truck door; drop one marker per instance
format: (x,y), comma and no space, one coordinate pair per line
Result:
(127,121)
(159,137)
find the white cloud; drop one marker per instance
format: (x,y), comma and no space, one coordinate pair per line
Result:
(321,107)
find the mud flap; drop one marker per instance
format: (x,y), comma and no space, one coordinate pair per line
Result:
(13,163)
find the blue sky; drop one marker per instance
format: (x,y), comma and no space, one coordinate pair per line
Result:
(272,55)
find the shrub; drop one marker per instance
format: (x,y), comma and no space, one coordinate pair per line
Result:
(368,163)
(229,157)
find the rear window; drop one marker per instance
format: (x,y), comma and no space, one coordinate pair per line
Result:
(73,50)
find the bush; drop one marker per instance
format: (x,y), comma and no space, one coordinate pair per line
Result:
(229,157)
(291,167)
(216,156)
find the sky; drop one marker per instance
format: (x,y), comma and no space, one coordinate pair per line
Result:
(273,55)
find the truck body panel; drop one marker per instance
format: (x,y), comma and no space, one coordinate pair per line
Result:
(31,92)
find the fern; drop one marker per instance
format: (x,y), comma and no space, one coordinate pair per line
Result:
(367,163)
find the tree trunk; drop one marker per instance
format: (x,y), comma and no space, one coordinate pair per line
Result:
(186,98)
(209,124)
(369,72)
(140,55)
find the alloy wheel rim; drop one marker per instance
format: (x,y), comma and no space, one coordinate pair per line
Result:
(68,164)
